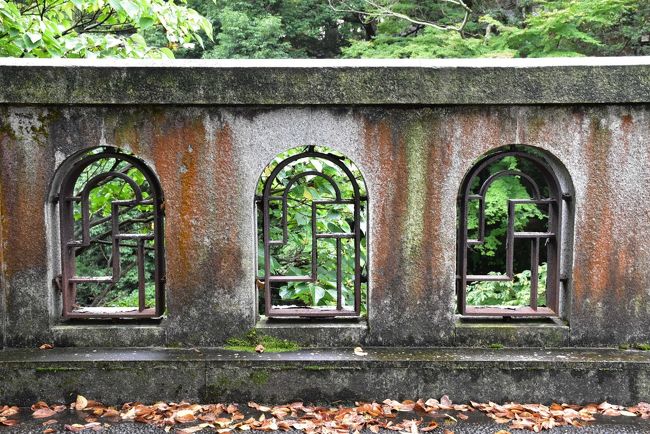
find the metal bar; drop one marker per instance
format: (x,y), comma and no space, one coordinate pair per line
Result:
(533,235)
(289,279)
(357,253)
(117,271)
(525,311)
(487,278)
(334,201)
(534,272)
(510,240)
(339,277)
(336,235)
(134,236)
(147,313)
(141,277)
(314,243)
(100,279)
(310,312)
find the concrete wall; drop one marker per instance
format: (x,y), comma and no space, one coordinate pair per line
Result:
(207,129)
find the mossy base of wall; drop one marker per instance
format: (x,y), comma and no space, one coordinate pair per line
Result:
(116,375)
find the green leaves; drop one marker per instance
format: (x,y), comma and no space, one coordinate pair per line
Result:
(96,28)
(294,258)
(511,293)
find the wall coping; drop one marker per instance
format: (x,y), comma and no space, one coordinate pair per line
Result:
(604,80)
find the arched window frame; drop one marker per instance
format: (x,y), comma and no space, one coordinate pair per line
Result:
(356,200)
(68,243)
(553,236)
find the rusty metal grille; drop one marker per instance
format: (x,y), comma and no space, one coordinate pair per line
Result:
(111,238)
(526,240)
(276,191)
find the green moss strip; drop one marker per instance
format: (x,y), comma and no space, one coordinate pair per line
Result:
(252,339)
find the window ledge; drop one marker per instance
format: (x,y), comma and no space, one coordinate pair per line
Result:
(316,332)
(521,332)
(114,335)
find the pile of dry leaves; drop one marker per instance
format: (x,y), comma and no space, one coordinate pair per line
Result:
(407,417)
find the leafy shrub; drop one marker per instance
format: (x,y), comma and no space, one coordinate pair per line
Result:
(510,293)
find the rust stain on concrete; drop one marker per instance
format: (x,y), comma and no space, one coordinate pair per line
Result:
(385,151)
(227,257)
(596,271)
(176,145)
(24,176)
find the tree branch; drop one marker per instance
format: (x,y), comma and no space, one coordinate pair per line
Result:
(383,11)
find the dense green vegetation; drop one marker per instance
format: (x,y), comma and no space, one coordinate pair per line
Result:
(489,256)
(96,259)
(97,28)
(324,28)
(294,258)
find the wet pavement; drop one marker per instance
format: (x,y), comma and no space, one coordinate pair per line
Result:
(477,423)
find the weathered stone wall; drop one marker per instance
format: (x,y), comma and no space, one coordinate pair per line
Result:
(208,130)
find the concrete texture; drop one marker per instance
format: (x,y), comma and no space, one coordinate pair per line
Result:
(326,82)
(208,375)
(208,158)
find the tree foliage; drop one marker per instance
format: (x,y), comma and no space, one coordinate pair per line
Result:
(97,28)
(294,258)
(96,259)
(324,28)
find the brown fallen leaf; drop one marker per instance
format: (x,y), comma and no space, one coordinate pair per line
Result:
(432,425)
(8,422)
(259,348)
(46,347)
(49,431)
(50,422)
(39,404)
(42,413)
(185,416)
(81,403)
(502,432)
(75,427)
(6,411)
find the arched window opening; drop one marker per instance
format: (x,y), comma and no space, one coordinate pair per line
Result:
(510,214)
(111,238)
(312,236)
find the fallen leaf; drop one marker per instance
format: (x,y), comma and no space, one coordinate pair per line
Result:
(46,347)
(259,348)
(9,411)
(81,403)
(42,413)
(8,422)
(358,351)
(184,416)
(49,431)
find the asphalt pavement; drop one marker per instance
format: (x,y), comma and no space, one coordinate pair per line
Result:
(477,424)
